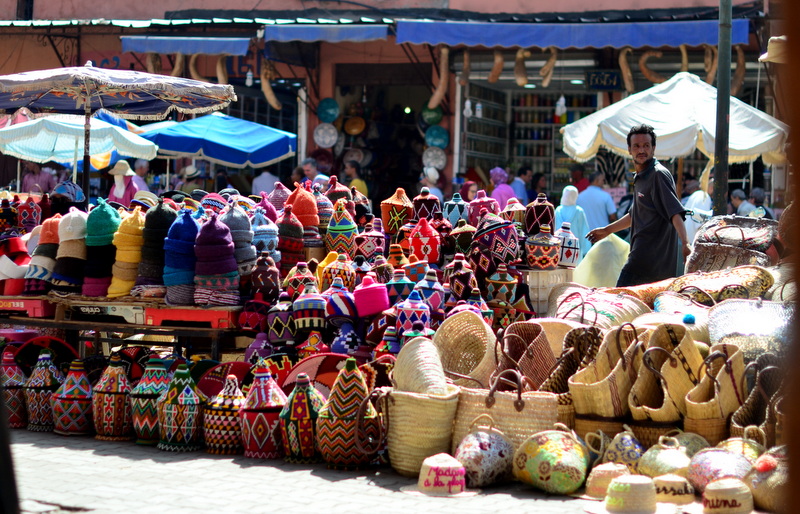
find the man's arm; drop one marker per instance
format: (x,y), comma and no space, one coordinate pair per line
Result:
(677,222)
(603,232)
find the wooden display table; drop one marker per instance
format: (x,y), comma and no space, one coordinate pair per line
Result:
(32,306)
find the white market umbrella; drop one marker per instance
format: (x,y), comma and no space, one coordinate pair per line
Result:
(683,112)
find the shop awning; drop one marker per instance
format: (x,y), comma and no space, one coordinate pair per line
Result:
(186,45)
(331,33)
(568,35)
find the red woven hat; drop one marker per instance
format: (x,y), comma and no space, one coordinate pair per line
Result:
(304,206)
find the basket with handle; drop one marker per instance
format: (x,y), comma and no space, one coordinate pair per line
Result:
(756,408)
(518,413)
(466,346)
(414,426)
(711,252)
(524,347)
(418,368)
(711,402)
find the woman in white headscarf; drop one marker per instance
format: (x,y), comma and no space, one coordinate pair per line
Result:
(573,214)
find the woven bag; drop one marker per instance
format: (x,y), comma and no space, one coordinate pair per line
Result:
(665,457)
(711,251)
(756,326)
(751,233)
(466,346)
(414,426)
(418,368)
(784,289)
(486,453)
(554,461)
(769,481)
(580,348)
(720,392)
(696,331)
(525,348)
(601,388)
(517,414)
(757,408)
(588,306)
(751,444)
(715,286)
(671,369)
(556,330)
(644,292)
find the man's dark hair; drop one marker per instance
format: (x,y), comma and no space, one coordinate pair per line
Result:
(309,160)
(524,171)
(577,167)
(642,129)
(594,176)
(758,195)
(739,194)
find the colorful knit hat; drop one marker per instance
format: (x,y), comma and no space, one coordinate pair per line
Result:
(73,225)
(337,190)
(278,196)
(304,205)
(265,233)
(44,204)
(340,304)
(324,207)
(101,223)
(426,204)
(371,297)
(342,231)
(265,281)
(49,232)
(290,239)
(128,238)
(213,203)
(179,243)
(8,215)
(245,203)
(268,207)
(29,214)
(214,249)
(242,234)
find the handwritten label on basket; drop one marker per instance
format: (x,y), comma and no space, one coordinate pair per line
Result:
(452,478)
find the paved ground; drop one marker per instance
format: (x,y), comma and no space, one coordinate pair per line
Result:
(68,474)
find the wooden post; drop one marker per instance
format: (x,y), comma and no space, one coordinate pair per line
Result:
(679,180)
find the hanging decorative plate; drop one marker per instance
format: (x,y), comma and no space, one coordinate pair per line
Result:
(213,380)
(354,154)
(367,159)
(338,148)
(422,125)
(322,369)
(431,116)
(355,125)
(434,157)
(325,135)
(436,135)
(327,110)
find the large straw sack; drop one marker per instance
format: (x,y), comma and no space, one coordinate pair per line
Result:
(466,346)
(556,329)
(418,368)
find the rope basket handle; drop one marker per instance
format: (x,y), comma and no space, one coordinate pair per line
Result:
(566,353)
(619,345)
(722,227)
(754,365)
(590,437)
(487,416)
(758,432)
(727,366)
(364,443)
(461,376)
(733,286)
(583,304)
(666,442)
(519,403)
(561,427)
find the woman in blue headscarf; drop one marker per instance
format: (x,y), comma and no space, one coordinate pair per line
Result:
(573,214)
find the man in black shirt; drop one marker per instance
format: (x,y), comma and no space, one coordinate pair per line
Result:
(655,220)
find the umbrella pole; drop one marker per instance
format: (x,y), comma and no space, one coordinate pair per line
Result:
(167,185)
(19,176)
(86,158)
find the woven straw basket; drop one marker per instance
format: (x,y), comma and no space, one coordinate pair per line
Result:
(710,403)
(418,368)
(601,388)
(517,414)
(418,426)
(466,347)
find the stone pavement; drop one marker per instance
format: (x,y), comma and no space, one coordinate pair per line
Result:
(80,474)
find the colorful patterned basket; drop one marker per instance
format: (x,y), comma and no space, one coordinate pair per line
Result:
(72,403)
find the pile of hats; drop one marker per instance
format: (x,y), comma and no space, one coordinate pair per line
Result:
(242,234)
(68,273)
(101,224)
(216,279)
(40,269)
(180,259)
(128,239)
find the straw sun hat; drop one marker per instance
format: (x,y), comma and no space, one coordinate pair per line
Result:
(443,476)
(631,494)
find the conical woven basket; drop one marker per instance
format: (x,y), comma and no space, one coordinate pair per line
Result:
(466,346)
(418,368)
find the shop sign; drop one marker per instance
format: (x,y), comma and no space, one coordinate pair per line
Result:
(604,80)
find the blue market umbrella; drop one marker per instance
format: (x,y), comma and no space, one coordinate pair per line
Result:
(224,140)
(107,159)
(126,93)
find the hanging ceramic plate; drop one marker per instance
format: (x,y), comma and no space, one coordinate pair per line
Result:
(213,380)
(327,110)
(436,135)
(431,116)
(434,157)
(354,154)
(422,125)
(367,159)
(322,369)
(325,135)
(338,148)
(355,125)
